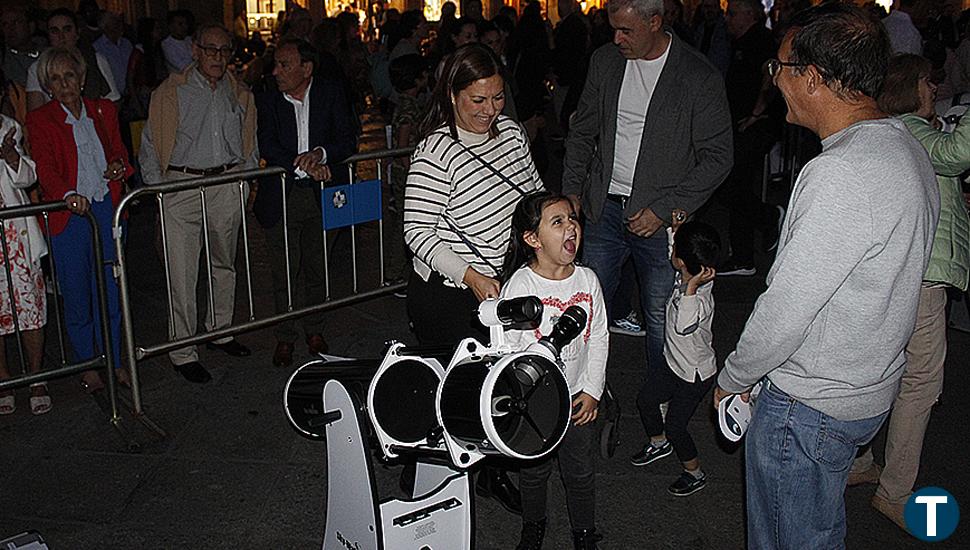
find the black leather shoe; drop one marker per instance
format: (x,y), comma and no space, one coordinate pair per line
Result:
(232,347)
(494,483)
(194,372)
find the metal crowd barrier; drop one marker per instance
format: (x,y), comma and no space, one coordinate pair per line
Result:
(106,359)
(136,351)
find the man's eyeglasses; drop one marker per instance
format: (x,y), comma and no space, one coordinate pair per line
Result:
(213,51)
(774,66)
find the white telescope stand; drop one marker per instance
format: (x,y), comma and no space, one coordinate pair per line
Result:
(438,518)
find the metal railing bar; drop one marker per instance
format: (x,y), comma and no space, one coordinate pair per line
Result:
(353,232)
(208,259)
(245,236)
(197,182)
(144,352)
(168,270)
(286,246)
(127,326)
(379,154)
(380,226)
(10,297)
(97,362)
(106,347)
(55,289)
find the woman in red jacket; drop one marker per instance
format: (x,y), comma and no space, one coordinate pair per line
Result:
(81,160)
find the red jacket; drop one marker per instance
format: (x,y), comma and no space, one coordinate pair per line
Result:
(53,149)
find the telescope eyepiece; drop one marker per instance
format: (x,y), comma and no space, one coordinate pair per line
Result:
(570,325)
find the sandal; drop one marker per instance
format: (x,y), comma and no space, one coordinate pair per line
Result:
(40,404)
(7,405)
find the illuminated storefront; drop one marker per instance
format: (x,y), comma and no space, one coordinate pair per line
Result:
(261,14)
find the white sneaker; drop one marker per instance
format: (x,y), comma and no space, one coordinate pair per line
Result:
(628,326)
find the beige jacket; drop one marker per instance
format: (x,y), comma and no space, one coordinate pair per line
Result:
(163,116)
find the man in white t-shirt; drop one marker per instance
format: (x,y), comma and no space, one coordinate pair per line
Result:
(652,133)
(177,46)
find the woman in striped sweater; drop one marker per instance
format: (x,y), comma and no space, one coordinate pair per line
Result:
(467,174)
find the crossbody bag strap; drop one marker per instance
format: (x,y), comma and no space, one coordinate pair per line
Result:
(491,168)
(468,243)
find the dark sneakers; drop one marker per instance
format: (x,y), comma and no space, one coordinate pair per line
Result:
(687,484)
(650,454)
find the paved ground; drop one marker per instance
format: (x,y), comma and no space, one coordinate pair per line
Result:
(233,474)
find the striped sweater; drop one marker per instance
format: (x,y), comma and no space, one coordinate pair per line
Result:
(453,200)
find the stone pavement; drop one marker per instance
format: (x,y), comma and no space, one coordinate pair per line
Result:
(233,474)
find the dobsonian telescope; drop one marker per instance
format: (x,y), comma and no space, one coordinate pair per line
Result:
(486,401)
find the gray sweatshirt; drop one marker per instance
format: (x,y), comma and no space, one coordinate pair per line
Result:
(841,300)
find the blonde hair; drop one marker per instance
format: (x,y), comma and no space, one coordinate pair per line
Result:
(53,55)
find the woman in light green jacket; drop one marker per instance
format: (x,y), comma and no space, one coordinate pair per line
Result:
(909,94)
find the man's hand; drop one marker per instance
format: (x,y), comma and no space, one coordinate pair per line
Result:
(720,394)
(644,223)
(677,218)
(320,172)
(695,282)
(588,409)
(308,161)
(483,286)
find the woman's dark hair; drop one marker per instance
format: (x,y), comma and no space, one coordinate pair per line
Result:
(468,64)
(849,49)
(900,93)
(63,12)
(526,219)
(698,245)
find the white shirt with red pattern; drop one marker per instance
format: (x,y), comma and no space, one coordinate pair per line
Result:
(585,357)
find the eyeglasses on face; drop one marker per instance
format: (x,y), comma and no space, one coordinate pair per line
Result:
(214,51)
(774,66)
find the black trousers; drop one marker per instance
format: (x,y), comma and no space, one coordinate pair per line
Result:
(577,467)
(742,189)
(682,398)
(442,315)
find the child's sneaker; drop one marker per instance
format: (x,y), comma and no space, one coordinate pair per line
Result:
(651,453)
(628,326)
(687,484)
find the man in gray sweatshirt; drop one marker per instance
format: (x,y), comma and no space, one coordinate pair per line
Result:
(828,333)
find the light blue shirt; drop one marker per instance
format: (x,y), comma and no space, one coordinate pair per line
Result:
(91,162)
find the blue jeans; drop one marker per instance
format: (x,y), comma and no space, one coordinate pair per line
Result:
(797,464)
(74,260)
(607,246)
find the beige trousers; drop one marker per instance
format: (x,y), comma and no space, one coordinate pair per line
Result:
(921,385)
(184,231)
